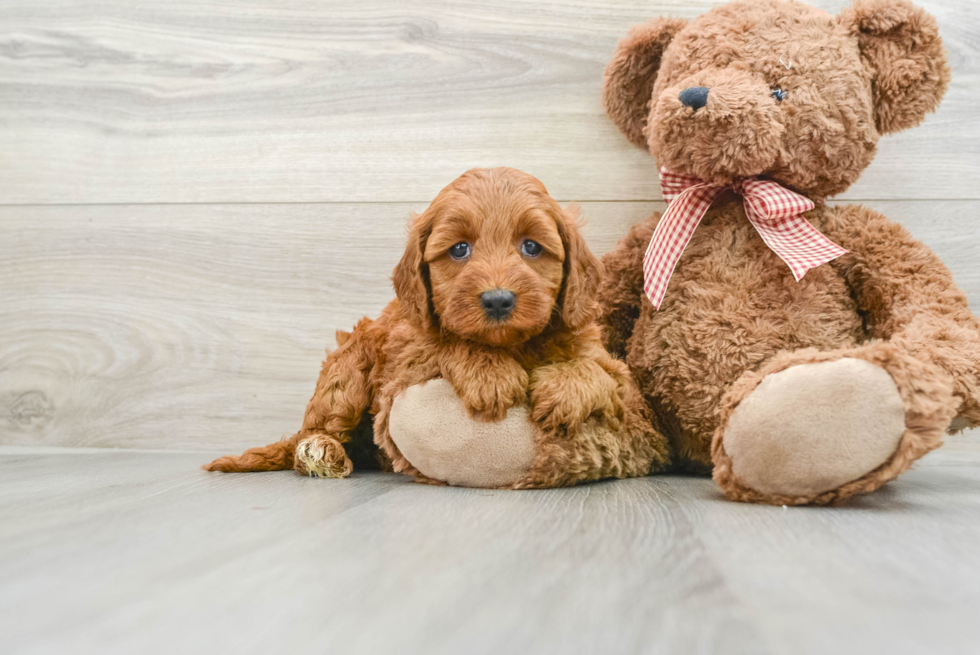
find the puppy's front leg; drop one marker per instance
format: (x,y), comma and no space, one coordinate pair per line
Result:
(488,381)
(593,424)
(568,393)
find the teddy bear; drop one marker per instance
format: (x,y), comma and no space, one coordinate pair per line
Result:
(802,353)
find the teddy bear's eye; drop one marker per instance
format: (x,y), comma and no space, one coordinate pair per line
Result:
(779,94)
(460,251)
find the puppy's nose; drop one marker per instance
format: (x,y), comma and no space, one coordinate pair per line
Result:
(695,97)
(498,303)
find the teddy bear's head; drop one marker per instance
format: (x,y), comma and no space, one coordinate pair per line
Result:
(777,89)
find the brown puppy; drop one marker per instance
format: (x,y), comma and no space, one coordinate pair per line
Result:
(496,296)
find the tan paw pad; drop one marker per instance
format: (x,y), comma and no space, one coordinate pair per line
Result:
(811,428)
(432,429)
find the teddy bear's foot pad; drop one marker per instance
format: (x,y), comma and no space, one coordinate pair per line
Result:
(811,428)
(433,430)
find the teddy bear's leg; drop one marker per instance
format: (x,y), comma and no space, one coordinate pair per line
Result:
(435,438)
(458,415)
(818,427)
(907,296)
(796,430)
(592,424)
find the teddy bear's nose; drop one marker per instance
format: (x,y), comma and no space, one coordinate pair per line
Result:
(695,97)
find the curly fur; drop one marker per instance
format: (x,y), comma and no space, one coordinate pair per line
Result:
(591,421)
(877,68)
(733,313)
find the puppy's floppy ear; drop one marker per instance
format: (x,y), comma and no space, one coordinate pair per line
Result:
(901,47)
(630,76)
(583,272)
(411,275)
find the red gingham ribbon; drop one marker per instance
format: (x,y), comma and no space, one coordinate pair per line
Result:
(774,211)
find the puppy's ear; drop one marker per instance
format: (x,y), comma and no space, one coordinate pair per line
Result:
(630,76)
(901,47)
(411,275)
(583,272)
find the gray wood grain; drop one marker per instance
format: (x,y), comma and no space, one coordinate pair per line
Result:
(203,326)
(267,101)
(125,552)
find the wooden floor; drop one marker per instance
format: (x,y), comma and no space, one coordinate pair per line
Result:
(140,552)
(195,196)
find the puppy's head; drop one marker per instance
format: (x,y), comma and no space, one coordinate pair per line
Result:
(494,259)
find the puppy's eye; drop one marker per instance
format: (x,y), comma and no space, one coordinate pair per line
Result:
(460,251)
(531,248)
(779,94)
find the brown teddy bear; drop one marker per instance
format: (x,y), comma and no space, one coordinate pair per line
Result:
(804,353)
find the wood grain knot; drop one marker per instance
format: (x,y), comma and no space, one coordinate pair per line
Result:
(30,409)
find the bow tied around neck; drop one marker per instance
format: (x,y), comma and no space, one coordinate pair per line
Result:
(774,211)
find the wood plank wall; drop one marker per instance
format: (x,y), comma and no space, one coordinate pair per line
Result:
(194,196)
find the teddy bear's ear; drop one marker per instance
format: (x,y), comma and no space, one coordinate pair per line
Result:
(900,44)
(631,74)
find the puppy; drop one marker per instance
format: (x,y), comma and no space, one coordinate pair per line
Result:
(496,295)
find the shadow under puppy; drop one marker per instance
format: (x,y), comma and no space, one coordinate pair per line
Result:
(488,369)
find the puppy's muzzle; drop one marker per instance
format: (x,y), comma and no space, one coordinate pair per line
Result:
(498,303)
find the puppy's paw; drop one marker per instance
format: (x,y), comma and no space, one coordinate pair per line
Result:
(490,402)
(488,384)
(322,456)
(569,393)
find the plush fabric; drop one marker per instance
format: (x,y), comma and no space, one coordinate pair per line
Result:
(813,427)
(800,97)
(431,427)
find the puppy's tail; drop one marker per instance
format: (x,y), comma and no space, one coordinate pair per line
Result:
(274,457)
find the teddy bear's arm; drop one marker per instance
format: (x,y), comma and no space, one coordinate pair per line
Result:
(907,296)
(621,291)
